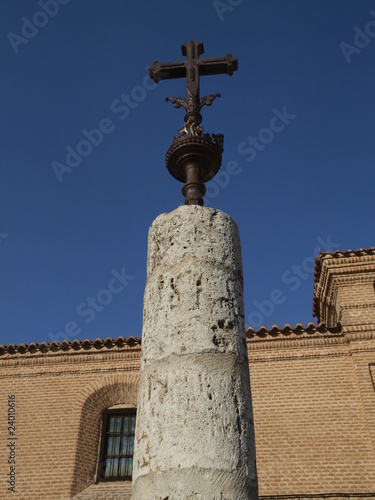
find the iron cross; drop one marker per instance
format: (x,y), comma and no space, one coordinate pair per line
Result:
(193,68)
(194,158)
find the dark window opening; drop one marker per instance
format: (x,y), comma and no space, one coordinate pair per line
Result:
(116,458)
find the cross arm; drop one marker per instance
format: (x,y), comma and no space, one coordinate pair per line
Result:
(218,65)
(163,71)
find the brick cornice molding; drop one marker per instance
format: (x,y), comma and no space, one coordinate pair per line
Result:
(71,371)
(296,343)
(339,269)
(359,336)
(266,357)
(358,328)
(267,344)
(362,305)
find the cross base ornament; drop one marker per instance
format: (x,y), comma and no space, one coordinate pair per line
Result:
(194,160)
(194,157)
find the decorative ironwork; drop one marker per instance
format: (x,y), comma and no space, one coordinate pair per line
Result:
(194,157)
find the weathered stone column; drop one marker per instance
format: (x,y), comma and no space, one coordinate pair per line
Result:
(194,436)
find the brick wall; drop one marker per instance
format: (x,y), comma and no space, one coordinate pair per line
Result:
(356,304)
(314,410)
(59,401)
(314,413)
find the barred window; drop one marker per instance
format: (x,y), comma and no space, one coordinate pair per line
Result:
(116,461)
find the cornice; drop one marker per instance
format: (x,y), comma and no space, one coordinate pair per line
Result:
(339,268)
(63,369)
(265,357)
(70,347)
(321,340)
(351,256)
(358,328)
(81,351)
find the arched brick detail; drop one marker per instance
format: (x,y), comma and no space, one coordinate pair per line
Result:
(111,390)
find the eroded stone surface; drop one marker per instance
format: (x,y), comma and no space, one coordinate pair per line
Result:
(194,436)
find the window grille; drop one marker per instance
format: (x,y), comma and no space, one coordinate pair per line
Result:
(117,445)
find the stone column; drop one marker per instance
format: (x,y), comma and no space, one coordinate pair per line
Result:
(194,436)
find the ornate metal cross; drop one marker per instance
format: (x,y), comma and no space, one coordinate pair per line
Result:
(192,68)
(193,158)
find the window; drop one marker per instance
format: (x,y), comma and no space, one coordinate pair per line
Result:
(116,461)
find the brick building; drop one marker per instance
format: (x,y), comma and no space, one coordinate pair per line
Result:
(313,393)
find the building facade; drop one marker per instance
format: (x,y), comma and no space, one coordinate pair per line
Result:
(69,408)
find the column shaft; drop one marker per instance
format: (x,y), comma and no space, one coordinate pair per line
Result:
(194,435)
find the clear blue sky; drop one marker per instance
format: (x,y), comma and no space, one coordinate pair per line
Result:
(308,183)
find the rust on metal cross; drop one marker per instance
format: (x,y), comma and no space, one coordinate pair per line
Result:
(192,69)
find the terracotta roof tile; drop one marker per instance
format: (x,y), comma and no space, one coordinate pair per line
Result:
(66,345)
(287,330)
